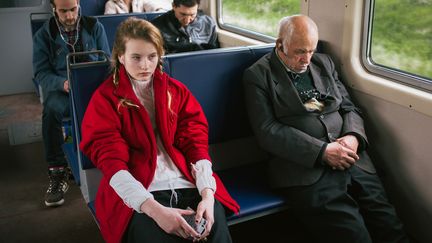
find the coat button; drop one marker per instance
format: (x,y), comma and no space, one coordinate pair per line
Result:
(321,116)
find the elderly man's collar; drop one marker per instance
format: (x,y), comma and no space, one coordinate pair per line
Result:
(293,75)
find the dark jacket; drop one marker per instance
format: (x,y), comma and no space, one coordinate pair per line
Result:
(294,135)
(199,35)
(49,51)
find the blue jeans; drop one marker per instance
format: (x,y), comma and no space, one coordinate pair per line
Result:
(56,106)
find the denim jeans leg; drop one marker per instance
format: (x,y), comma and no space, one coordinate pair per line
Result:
(56,106)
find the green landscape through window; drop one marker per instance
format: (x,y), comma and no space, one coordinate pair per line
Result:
(402,35)
(258,15)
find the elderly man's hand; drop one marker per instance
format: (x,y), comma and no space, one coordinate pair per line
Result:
(339,156)
(349,141)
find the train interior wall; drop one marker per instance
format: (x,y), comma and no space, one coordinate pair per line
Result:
(397,117)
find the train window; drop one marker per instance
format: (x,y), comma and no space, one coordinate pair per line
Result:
(257,19)
(19,3)
(400,40)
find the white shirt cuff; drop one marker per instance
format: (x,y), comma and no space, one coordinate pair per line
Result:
(131,191)
(202,171)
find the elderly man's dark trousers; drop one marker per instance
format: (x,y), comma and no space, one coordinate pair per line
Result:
(56,106)
(346,206)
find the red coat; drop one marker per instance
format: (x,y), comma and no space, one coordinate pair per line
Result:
(117,135)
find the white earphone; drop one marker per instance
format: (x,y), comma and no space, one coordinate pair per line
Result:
(76,27)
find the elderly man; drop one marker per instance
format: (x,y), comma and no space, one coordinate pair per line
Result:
(302,114)
(184,28)
(66,32)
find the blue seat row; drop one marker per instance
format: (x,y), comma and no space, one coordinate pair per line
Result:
(215,80)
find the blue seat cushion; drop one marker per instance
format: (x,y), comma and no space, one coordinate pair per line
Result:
(248,186)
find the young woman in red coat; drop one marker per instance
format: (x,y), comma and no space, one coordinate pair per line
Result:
(148,135)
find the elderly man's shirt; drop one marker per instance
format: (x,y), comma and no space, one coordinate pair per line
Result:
(309,95)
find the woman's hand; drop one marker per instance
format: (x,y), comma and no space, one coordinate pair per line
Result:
(169,219)
(205,210)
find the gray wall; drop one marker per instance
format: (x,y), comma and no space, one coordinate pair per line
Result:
(16,49)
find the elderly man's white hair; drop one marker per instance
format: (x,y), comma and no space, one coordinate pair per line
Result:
(295,24)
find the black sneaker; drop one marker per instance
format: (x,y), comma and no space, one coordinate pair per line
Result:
(58,186)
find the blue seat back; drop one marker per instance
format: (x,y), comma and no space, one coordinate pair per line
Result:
(37,20)
(215,79)
(84,80)
(92,7)
(111,22)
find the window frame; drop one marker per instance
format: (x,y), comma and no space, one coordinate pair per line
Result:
(238,30)
(31,4)
(401,76)
(38,8)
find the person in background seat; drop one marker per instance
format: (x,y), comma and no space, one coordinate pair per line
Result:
(149,136)
(66,32)
(301,113)
(184,28)
(136,6)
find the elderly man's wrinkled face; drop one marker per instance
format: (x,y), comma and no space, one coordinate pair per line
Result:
(67,12)
(297,52)
(185,15)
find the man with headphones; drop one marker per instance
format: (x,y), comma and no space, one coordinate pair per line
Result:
(65,32)
(302,114)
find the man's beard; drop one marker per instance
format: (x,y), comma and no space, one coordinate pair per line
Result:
(69,24)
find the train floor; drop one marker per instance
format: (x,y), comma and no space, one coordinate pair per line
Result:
(23,182)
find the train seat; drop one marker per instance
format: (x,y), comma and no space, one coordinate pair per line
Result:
(112,21)
(92,7)
(84,78)
(215,80)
